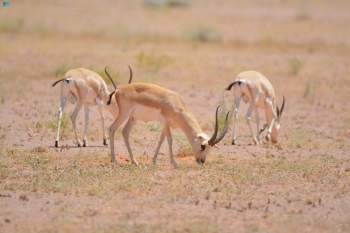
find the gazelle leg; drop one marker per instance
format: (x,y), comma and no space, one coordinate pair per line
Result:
(161,139)
(126,132)
(121,118)
(236,117)
(86,108)
(60,111)
(270,108)
(170,143)
(100,109)
(74,119)
(257,124)
(248,117)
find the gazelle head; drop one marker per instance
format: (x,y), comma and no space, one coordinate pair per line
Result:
(203,143)
(276,125)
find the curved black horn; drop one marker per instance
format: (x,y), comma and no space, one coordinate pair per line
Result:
(279,112)
(222,135)
(212,140)
(115,85)
(130,79)
(282,107)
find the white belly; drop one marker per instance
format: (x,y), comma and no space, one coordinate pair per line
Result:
(146,114)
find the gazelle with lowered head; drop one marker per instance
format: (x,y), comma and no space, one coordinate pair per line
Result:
(85,87)
(255,89)
(148,102)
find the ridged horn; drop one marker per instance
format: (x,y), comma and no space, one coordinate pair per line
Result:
(130,79)
(222,135)
(212,140)
(110,78)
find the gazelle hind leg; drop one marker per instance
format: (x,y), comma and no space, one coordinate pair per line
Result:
(60,111)
(86,108)
(121,118)
(74,119)
(236,117)
(126,132)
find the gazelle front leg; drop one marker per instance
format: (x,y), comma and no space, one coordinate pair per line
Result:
(161,139)
(257,124)
(100,109)
(126,132)
(248,117)
(270,108)
(170,143)
(236,117)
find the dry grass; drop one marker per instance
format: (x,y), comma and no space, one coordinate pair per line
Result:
(300,184)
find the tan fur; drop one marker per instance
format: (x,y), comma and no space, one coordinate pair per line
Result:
(255,89)
(87,87)
(157,104)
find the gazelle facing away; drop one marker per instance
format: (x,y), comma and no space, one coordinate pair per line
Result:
(148,102)
(255,89)
(85,87)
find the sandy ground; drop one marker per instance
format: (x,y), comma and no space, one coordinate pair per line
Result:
(300,184)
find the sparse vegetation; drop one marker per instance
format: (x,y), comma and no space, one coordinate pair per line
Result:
(152,61)
(167,3)
(296,65)
(300,184)
(13,26)
(203,34)
(185,149)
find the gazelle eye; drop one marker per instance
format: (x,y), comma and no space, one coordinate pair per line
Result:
(203,147)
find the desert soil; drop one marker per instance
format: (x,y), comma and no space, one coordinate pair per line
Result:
(300,184)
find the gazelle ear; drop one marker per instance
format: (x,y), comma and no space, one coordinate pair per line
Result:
(200,138)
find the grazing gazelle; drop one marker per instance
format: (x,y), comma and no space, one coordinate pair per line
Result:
(85,87)
(149,102)
(255,89)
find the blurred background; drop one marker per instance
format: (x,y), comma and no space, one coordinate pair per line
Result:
(195,47)
(172,40)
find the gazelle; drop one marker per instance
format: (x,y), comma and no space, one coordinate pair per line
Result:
(85,87)
(149,102)
(255,89)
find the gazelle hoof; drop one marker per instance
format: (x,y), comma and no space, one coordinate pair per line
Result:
(56,144)
(233,142)
(85,144)
(267,137)
(105,142)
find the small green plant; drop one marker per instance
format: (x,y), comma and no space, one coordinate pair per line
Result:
(65,125)
(222,114)
(185,147)
(296,66)
(309,92)
(13,26)
(154,127)
(167,3)
(2,149)
(151,60)
(203,34)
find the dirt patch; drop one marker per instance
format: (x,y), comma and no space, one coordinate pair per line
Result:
(299,184)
